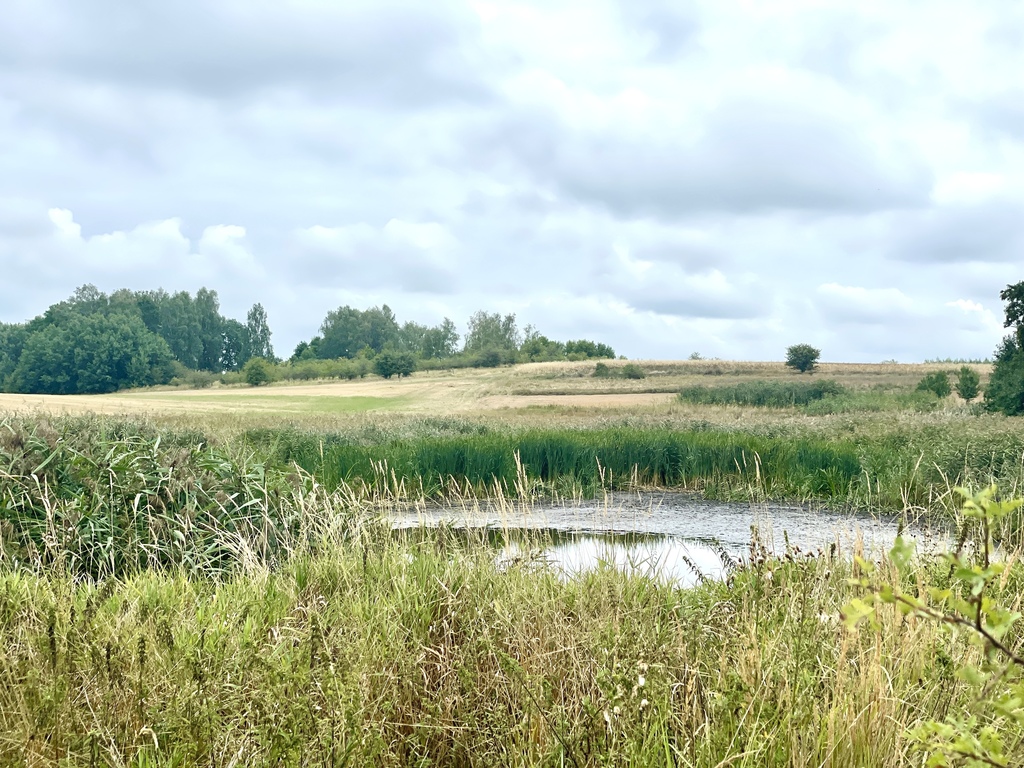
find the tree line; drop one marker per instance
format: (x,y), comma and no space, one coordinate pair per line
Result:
(94,343)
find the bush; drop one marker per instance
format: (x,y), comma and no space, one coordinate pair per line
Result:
(256,371)
(602,371)
(937,382)
(802,357)
(770,394)
(390,363)
(968,383)
(633,371)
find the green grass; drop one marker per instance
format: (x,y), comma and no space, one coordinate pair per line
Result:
(409,653)
(583,460)
(763,393)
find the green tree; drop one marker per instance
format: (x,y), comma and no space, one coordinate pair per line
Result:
(347,331)
(234,345)
(802,357)
(492,331)
(258,333)
(1013,295)
(968,383)
(91,354)
(584,348)
(441,341)
(936,382)
(392,362)
(211,337)
(1005,390)
(257,371)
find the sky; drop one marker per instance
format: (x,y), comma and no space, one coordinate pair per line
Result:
(726,177)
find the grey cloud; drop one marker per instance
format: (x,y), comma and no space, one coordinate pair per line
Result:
(751,157)
(396,52)
(960,233)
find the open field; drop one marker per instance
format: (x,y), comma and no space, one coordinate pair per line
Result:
(568,386)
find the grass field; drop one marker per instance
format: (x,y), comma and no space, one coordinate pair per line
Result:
(204,577)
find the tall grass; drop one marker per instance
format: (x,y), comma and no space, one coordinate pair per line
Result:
(763,393)
(586,460)
(403,653)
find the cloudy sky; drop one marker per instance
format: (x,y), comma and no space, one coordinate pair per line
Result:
(722,176)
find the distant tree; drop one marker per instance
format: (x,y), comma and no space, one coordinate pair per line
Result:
(584,348)
(1013,295)
(1005,390)
(210,329)
(258,333)
(392,362)
(257,371)
(12,341)
(234,345)
(802,357)
(968,383)
(91,354)
(696,356)
(936,382)
(347,331)
(441,341)
(492,331)
(536,347)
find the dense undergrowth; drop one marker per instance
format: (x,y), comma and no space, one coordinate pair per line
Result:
(168,599)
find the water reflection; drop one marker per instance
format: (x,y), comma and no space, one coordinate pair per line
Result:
(668,536)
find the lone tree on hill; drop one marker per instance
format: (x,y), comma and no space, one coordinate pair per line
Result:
(802,357)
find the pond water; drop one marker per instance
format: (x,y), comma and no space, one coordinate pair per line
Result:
(668,535)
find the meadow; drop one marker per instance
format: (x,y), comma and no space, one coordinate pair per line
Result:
(208,577)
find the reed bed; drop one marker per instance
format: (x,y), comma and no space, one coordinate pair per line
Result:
(391,652)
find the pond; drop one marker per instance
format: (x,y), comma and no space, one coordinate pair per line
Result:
(670,536)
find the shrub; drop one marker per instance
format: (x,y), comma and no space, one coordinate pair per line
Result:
(256,371)
(771,394)
(802,357)
(633,371)
(968,383)
(392,363)
(937,382)
(602,371)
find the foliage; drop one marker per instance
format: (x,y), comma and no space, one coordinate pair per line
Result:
(391,362)
(802,357)
(602,371)
(1005,390)
(257,333)
(968,383)
(633,371)
(991,731)
(103,498)
(91,354)
(489,331)
(936,382)
(584,349)
(1013,295)
(257,371)
(347,331)
(772,394)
